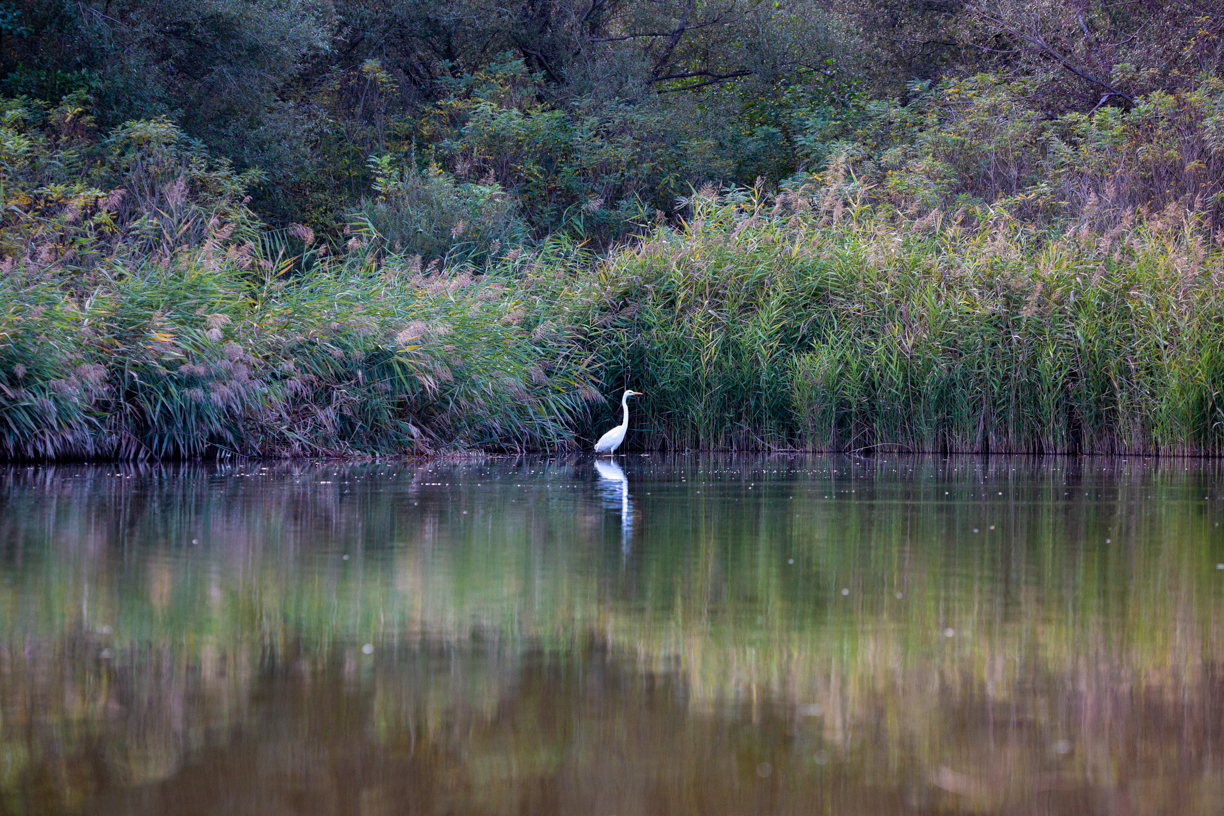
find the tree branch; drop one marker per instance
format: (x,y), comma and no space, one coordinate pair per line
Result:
(693,85)
(651,34)
(669,49)
(1044,47)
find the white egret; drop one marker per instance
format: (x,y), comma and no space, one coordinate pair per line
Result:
(609,442)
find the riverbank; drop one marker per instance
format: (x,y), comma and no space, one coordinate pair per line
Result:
(762,323)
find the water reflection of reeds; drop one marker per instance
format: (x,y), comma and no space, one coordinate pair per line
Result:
(496,592)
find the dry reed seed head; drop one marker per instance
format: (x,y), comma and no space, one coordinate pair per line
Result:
(91,373)
(196,395)
(113,199)
(490,290)
(460,281)
(303,232)
(64,387)
(232,350)
(408,335)
(516,388)
(176,192)
(19,371)
(241,256)
(209,260)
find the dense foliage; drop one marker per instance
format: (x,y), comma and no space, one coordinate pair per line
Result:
(311,227)
(589,115)
(805,322)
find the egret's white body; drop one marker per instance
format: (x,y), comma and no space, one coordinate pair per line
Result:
(609,442)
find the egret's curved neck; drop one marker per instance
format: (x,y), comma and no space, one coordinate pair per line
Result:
(625,406)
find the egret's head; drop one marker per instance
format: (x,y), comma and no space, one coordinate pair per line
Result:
(631,393)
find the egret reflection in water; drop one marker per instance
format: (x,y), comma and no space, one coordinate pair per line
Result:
(614,490)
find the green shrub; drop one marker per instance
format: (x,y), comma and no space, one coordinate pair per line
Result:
(427,213)
(591,169)
(72,202)
(980,143)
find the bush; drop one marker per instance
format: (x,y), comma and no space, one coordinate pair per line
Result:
(979,144)
(73,202)
(590,169)
(428,214)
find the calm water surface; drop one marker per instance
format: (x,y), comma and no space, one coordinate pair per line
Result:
(664,635)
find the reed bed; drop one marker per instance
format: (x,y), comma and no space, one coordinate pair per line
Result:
(801,321)
(186,360)
(782,324)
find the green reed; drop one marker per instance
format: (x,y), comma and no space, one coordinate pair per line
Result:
(191,359)
(793,328)
(782,323)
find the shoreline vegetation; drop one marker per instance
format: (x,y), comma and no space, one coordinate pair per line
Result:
(764,322)
(971,250)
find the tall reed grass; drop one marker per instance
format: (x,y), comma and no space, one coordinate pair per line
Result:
(785,324)
(800,321)
(188,359)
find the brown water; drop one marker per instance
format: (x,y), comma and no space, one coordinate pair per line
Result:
(683,635)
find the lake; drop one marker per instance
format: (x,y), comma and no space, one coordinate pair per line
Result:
(679,634)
